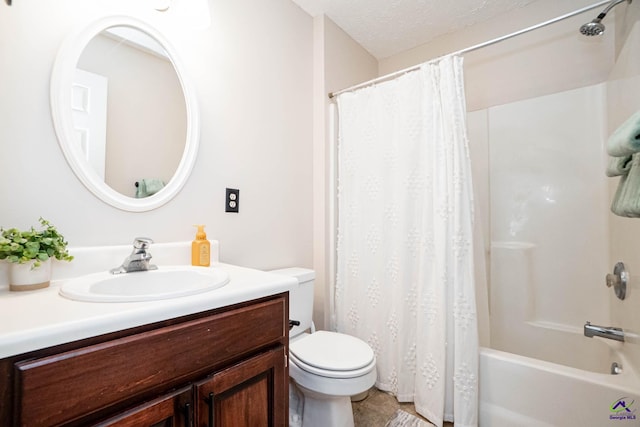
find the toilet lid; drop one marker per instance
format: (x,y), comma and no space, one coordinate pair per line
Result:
(332,351)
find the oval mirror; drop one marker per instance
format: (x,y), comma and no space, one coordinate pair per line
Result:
(124,112)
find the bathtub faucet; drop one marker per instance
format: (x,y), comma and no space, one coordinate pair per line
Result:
(608,332)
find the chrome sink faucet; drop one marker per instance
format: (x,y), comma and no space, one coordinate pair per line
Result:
(139,258)
(608,332)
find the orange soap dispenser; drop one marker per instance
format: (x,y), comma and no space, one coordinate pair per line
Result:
(201,249)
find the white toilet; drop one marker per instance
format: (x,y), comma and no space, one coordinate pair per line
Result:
(326,367)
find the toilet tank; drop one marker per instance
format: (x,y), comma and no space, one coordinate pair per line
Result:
(300,298)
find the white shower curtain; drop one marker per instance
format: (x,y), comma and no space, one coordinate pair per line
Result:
(405,273)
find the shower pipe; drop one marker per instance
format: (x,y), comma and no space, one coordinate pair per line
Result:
(471,48)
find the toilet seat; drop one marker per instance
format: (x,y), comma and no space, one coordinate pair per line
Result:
(332,355)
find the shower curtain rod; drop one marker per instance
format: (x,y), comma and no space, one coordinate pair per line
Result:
(469,49)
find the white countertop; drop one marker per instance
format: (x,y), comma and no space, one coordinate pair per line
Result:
(42,318)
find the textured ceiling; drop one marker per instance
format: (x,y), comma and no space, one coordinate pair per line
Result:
(388,27)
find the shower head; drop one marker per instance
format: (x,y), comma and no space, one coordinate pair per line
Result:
(595,27)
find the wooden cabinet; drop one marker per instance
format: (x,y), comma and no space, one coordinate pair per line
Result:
(242,395)
(227,366)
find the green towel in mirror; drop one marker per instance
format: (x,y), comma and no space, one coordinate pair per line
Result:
(148,186)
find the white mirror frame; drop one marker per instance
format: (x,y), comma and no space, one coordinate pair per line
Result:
(60,97)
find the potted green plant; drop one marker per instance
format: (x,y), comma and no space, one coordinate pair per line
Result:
(29,253)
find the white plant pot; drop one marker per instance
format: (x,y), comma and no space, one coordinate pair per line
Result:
(22,277)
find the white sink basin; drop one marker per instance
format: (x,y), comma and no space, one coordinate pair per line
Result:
(164,283)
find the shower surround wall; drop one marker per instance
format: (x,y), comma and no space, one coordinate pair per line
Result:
(549,231)
(553,237)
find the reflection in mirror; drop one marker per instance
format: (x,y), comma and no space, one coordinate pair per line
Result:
(140,131)
(125,116)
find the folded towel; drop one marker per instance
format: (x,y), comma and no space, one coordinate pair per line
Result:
(626,139)
(618,166)
(148,187)
(626,201)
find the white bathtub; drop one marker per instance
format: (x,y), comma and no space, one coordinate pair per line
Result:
(518,391)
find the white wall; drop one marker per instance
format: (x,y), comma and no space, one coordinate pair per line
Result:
(623,100)
(252,70)
(339,62)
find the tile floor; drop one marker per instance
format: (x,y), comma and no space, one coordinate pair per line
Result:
(378,408)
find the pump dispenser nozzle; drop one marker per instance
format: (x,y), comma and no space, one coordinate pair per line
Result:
(200,234)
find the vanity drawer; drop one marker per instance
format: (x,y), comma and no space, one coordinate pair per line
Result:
(71,385)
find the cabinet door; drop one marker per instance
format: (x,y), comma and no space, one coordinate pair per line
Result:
(174,409)
(252,393)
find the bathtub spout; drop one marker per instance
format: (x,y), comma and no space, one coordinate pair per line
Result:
(608,332)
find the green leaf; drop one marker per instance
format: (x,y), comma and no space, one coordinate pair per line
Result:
(32,246)
(22,246)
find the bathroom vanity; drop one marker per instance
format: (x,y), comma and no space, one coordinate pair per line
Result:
(217,358)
